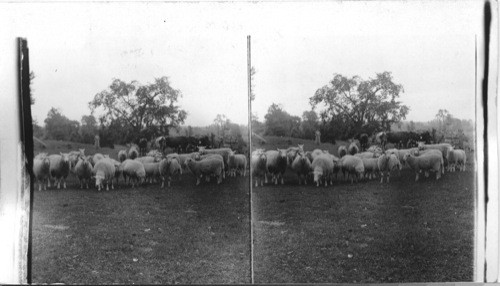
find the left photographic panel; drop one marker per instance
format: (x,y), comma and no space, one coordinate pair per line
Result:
(139,111)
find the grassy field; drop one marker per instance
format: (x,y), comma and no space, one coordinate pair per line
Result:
(404,231)
(146,235)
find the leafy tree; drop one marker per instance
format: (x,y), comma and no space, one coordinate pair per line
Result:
(220,122)
(279,123)
(88,129)
(149,109)
(309,124)
(364,106)
(59,127)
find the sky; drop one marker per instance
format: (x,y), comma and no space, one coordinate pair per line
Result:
(296,48)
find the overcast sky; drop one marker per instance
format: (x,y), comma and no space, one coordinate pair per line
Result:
(76,49)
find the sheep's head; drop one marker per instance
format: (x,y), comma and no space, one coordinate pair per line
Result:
(301,147)
(201,149)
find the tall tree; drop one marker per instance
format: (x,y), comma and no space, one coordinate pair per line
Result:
(309,124)
(150,108)
(59,127)
(278,122)
(364,105)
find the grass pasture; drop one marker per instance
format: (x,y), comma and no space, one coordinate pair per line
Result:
(146,235)
(368,232)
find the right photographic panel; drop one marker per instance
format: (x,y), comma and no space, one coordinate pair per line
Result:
(364,130)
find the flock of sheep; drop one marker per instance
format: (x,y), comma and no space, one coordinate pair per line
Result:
(322,167)
(318,166)
(152,167)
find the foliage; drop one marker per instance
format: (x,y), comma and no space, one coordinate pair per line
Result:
(363,106)
(309,124)
(278,122)
(59,127)
(142,110)
(88,129)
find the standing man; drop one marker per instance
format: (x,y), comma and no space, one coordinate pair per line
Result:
(317,140)
(97,145)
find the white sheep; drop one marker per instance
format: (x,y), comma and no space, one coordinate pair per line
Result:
(206,167)
(97,157)
(393,164)
(276,164)
(366,155)
(122,155)
(184,157)
(174,170)
(353,148)
(371,167)
(425,162)
(322,168)
(59,168)
(41,170)
(133,152)
(224,152)
(443,147)
(83,171)
(152,171)
(342,151)
(374,149)
(147,159)
(104,172)
(134,170)
(301,166)
(316,152)
(258,167)
(237,163)
(383,166)
(353,166)
(73,157)
(457,157)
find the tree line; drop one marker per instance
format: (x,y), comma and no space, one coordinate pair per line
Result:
(129,111)
(349,106)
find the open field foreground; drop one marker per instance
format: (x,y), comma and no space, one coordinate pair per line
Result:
(366,232)
(182,234)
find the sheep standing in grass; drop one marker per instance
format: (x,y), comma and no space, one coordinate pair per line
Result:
(258,163)
(184,157)
(41,170)
(59,168)
(164,168)
(342,151)
(122,155)
(456,158)
(443,147)
(224,152)
(104,173)
(371,167)
(276,164)
(83,171)
(425,162)
(206,167)
(301,166)
(237,163)
(353,166)
(393,165)
(174,170)
(353,148)
(152,171)
(134,171)
(383,167)
(74,156)
(322,167)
